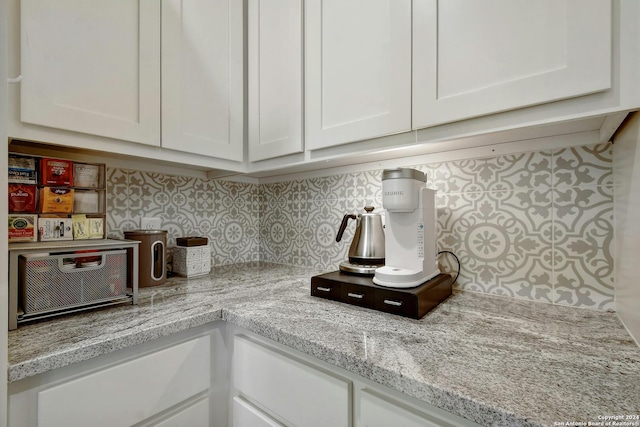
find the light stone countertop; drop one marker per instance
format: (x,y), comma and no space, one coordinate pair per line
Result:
(497,361)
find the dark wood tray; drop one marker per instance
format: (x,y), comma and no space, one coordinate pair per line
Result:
(361,291)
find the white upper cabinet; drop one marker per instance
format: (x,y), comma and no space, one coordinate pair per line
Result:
(164,73)
(357,70)
(474,58)
(202,77)
(92,67)
(275,78)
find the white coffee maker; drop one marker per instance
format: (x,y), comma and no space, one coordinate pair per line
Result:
(410,230)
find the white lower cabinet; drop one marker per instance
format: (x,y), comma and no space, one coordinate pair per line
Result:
(292,391)
(167,382)
(195,415)
(378,410)
(247,415)
(272,385)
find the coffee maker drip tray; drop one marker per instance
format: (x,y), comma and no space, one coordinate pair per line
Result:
(360,290)
(360,269)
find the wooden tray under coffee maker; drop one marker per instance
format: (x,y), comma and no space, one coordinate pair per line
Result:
(361,291)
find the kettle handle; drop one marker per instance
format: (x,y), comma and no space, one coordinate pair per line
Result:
(343,225)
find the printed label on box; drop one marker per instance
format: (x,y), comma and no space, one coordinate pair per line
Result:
(85,175)
(22,198)
(22,169)
(57,171)
(81,227)
(22,228)
(96,228)
(54,200)
(55,229)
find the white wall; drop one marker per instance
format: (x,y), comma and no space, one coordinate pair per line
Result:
(627,211)
(3,224)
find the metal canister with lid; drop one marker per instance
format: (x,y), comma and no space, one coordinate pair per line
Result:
(152,267)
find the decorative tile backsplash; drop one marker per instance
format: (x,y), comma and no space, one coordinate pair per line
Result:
(535,225)
(226,212)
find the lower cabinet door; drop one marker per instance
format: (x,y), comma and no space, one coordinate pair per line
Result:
(379,411)
(131,392)
(196,415)
(297,393)
(246,415)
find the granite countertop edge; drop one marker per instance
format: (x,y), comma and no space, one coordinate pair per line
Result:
(80,353)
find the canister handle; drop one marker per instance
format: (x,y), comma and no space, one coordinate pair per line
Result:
(156,257)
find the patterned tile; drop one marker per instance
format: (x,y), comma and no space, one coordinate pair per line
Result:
(368,185)
(511,172)
(280,235)
(118,203)
(583,166)
(503,240)
(335,187)
(226,213)
(583,236)
(287,195)
(320,225)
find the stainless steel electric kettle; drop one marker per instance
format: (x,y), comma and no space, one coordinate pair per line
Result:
(366,252)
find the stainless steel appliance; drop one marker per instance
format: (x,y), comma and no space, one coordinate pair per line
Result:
(410,241)
(152,263)
(367,250)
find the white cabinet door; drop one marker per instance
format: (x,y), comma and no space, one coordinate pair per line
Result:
(202,77)
(246,415)
(130,392)
(294,391)
(196,415)
(357,70)
(275,78)
(378,411)
(474,58)
(92,67)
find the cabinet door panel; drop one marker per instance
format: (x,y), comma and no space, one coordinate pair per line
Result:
(128,393)
(92,67)
(298,393)
(196,415)
(275,78)
(202,77)
(357,70)
(476,58)
(378,411)
(245,415)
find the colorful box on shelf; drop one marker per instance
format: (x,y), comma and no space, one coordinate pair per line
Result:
(23,198)
(86,175)
(56,200)
(22,228)
(56,172)
(87,228)
(22,169)
(53,229)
